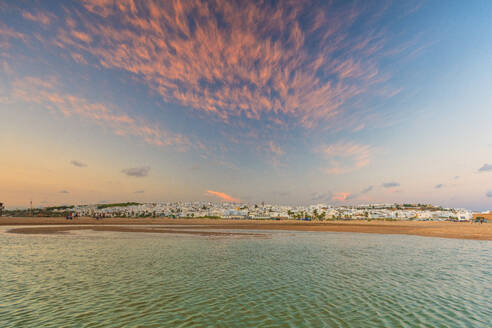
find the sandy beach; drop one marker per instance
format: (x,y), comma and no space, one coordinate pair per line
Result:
(460,230)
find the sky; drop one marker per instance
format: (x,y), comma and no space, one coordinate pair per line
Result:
(286,102)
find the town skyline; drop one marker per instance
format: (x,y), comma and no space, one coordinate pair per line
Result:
(235,205)
(287,103)
(261,211)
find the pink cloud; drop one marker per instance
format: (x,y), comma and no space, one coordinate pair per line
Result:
(223,196)
(39,17)
(82,36)
(275,149)
(345,157)
(258,62)
(340,196)
(8,33)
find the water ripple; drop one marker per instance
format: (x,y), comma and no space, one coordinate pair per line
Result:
(291,280)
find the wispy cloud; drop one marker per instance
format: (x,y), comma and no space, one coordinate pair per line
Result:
(223,196)
(485,168)
(288,61)
(390,184)
(64,192)
(273,152)
(275,149)
(39,17)
(7,33)
(345,157)
(489,193)
(138,172)
(362,192)
(321,197)
(47,93)
(139,192)
(439,186)
(78,163)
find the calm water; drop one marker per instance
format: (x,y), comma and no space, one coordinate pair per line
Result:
(292,279)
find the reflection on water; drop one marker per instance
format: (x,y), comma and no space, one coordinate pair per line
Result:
(308,279)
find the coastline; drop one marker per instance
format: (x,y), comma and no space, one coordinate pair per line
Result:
(442,229)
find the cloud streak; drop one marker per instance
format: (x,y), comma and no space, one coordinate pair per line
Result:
(485,168)
(223,196)
(390,184)
(138,172)
(38,17)
(321,197)
(78,163)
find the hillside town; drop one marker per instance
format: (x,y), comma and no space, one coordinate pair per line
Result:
(255,211)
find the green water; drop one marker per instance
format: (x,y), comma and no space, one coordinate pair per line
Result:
(291,279)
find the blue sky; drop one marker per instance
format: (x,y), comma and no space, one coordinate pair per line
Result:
(292,103)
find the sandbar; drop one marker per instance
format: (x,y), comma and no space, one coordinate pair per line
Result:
(443,229)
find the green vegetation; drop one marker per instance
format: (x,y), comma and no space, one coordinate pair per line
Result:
(58,208)
(39,212)
(211,217)
(102,206)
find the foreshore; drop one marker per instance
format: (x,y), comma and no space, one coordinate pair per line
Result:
(443,229)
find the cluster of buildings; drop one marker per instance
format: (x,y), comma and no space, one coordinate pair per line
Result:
(265,211)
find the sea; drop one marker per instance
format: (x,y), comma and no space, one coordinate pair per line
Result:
(282,279)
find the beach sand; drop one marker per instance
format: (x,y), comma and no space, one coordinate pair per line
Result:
(461,230)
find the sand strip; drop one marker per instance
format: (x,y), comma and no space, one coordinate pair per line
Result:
(461,230)
(65,229)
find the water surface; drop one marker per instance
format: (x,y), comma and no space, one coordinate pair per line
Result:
(291,279)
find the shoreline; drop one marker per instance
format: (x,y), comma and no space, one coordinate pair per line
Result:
(51,229)
(442,229)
